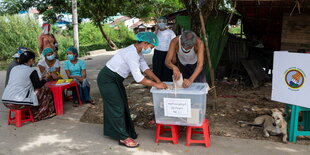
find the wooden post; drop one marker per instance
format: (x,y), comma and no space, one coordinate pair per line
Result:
(203,27)
(75,25)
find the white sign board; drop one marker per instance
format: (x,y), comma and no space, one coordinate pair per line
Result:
(176,107)
(290,78)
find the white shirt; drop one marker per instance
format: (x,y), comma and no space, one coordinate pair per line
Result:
(43,63)
(127,61)
(164,38)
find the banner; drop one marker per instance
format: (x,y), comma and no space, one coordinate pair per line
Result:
(290,78)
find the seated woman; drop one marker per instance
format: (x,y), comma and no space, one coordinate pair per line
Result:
(76,69)
(26,90)
(49,67)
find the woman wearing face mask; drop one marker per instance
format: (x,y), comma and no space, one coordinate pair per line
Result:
(26,90)
(76,70)
(117,120)
(165,35)
(49,66)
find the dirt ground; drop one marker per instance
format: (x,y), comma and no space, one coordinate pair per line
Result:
(235,103)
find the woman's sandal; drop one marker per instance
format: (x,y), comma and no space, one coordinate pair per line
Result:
(127,143)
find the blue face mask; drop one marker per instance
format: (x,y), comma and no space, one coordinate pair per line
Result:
(70,57)
(51,57)
(146,51)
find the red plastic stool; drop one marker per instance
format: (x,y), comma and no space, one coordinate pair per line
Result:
(205,131)
(21,116)
(175,132)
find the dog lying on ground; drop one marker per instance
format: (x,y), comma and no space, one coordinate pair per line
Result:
(273,125)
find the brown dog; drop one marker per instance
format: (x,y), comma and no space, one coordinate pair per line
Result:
(273,125)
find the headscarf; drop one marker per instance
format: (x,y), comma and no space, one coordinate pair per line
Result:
(149,37)
(20,50)
(46,51)
(72,49)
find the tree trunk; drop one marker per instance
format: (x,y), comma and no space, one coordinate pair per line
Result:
(107,38)
(75,25)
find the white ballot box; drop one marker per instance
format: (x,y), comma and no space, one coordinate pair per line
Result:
(186,106)
(289,81)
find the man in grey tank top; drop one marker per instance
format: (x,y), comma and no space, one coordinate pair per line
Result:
(186,56)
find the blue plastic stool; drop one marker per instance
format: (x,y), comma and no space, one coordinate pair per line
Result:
(293,122)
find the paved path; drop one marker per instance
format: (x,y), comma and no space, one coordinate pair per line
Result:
(66,135)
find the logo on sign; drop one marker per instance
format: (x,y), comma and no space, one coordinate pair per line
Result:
(294,78)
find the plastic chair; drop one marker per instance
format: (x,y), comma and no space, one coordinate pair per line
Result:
(205,131)
(175,133)
(57,93)
(293,122)
(21,116)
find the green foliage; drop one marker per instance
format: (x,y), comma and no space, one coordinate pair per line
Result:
(63,43)
(90,35)
(151,8)
(120,34)
(51,9)
(235,30)
(17,31)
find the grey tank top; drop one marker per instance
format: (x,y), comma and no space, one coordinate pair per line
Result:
(186,58)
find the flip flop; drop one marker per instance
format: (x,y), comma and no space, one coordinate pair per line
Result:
(128,141)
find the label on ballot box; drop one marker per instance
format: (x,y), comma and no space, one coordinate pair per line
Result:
(175,107)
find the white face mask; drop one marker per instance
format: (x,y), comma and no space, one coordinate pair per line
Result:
(162,25)
(146,51)
(45,29)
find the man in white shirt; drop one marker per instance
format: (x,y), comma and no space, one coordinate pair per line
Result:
(165,35)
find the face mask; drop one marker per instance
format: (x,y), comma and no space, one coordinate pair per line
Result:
(51,57)
(46,29)
(70,57)
(186,50)
(162,25)
(33,64)
(146,51)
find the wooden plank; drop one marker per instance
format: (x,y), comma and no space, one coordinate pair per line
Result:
(255,71)
(295,32)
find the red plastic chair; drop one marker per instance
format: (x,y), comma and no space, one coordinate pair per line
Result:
(175,133)
(57,93)
(205,131)
(21,116)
